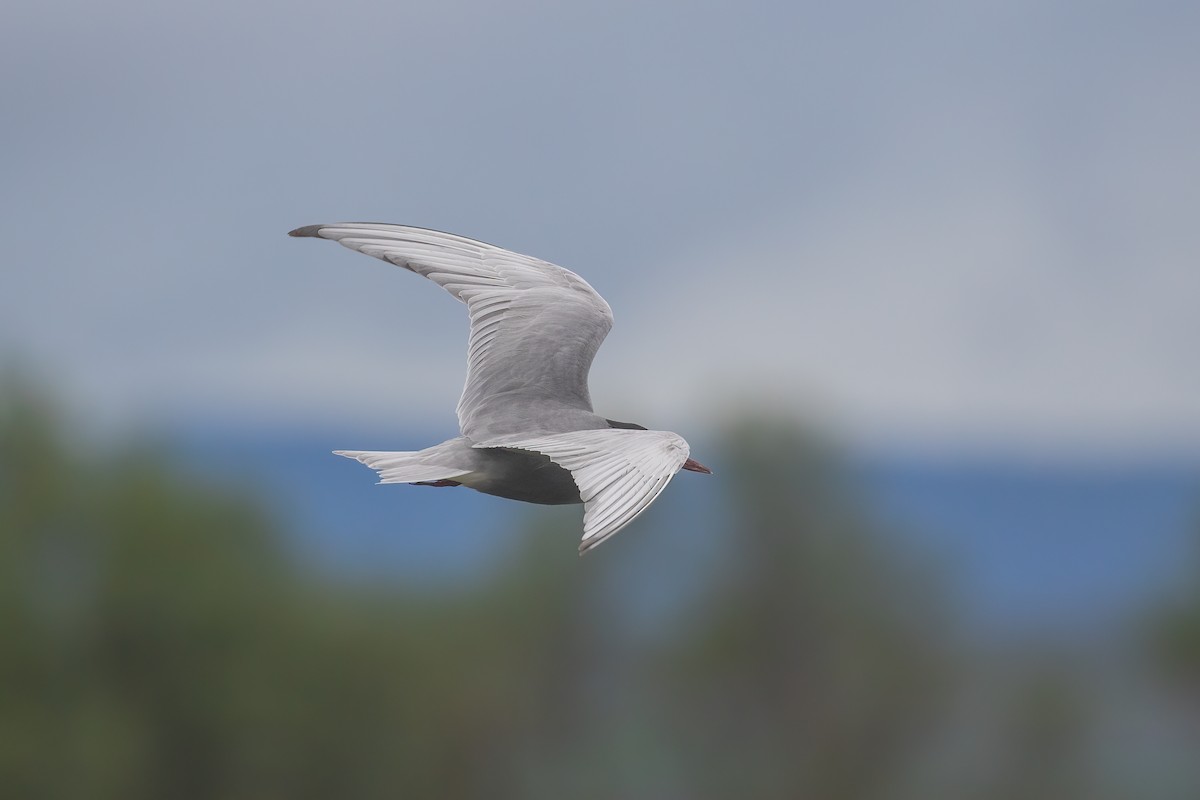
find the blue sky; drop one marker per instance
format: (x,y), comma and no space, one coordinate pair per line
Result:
(955,226)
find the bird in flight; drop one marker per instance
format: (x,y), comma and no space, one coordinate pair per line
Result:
(528,429)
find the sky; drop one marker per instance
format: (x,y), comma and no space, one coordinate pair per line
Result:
(941,225)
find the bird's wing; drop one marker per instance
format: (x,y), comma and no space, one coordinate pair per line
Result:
(619,472)
(535,326)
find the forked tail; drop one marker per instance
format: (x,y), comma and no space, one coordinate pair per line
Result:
(432,464)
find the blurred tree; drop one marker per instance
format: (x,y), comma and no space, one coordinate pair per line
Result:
(814,664)
(1175,634)
(1038,753)
(158,643)
(1177,646)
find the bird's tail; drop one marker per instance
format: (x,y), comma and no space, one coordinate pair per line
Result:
(432,464)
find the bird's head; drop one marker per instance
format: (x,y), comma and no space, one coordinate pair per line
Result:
(691,464)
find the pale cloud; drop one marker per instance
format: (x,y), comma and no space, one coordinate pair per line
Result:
(948,306)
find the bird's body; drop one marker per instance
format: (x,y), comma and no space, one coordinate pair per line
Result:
(515,474)
(528,429)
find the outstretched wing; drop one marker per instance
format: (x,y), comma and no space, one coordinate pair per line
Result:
(619,472)
(535,327)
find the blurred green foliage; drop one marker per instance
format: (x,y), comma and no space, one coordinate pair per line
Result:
(160,642)
(1175,633)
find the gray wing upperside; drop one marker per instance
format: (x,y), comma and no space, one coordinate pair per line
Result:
(535,327)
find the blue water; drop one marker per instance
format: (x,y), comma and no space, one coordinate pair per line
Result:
(1029,546)
(1048,547)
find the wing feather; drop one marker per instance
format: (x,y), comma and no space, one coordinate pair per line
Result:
(535,327)
(619,472)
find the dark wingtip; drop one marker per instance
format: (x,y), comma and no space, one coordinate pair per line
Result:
(307,230)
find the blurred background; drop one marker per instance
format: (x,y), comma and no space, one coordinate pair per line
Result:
(919,282)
